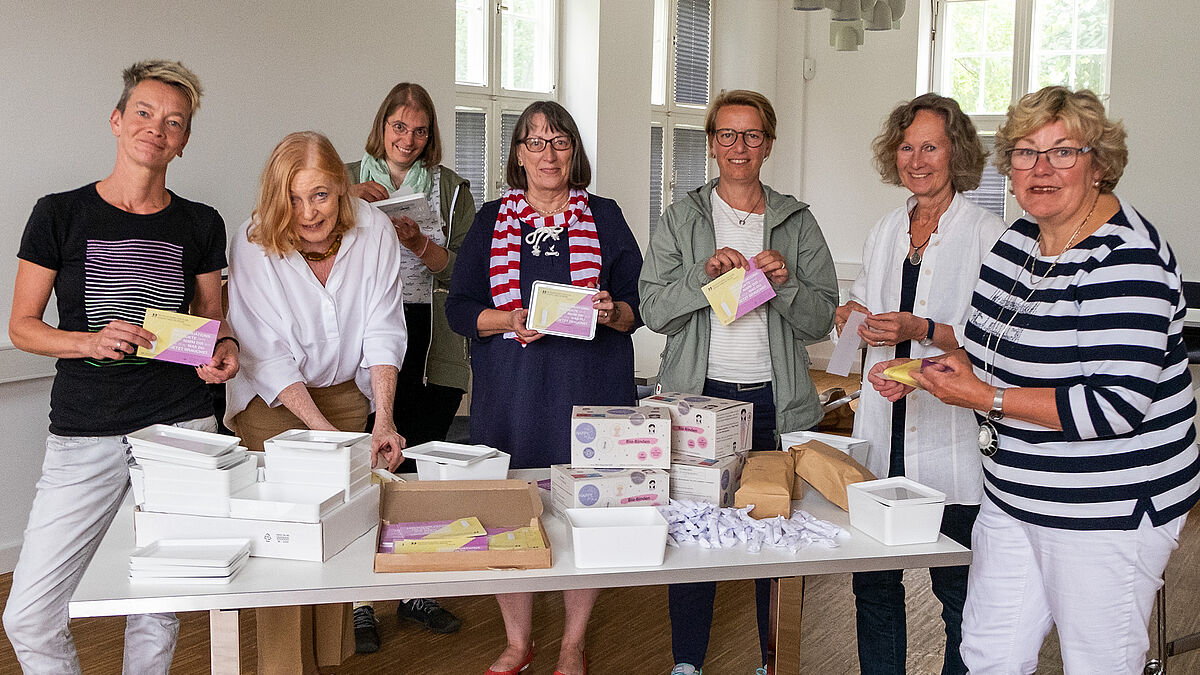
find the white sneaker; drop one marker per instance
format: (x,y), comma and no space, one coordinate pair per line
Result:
(685,669)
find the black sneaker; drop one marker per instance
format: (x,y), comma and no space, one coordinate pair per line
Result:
(366,630)
(428,613)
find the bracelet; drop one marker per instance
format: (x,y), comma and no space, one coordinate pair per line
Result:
(997,411)
(231,339)
(421,254)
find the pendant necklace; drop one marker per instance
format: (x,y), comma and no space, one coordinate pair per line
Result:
(742,221)
(989,438)
(915,257)
(318,257)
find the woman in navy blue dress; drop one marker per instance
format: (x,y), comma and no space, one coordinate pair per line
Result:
(548,228)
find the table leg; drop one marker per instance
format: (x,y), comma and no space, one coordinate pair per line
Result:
(783,641)
(224,642)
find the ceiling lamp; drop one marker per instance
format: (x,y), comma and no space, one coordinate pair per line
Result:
(850,18)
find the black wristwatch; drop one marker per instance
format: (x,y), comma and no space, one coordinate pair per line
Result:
(928,339)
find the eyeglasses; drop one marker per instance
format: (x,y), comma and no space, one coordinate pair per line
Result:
(536,144)
(1062,157)
(752,137)
(400,128)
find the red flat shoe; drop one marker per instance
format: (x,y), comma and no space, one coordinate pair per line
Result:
(585,669)
(520,668)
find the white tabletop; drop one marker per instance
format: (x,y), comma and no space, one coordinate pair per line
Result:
(106,590)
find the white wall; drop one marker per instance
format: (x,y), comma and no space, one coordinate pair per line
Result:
(268,68)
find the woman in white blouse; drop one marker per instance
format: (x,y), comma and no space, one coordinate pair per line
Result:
(920,264)
(316,304)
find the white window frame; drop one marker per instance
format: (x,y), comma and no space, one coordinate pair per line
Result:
(1022,56)
(495,100)
(671,115)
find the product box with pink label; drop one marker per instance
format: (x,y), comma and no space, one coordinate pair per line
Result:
(583,487)
(706,427)
(707,480)
(620,437)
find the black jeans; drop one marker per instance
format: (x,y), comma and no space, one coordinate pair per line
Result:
(879,601)
(422,412)
(691,605)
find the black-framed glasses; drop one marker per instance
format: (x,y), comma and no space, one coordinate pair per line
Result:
(752,137)
(537,144)
(1062,157)
(400,128)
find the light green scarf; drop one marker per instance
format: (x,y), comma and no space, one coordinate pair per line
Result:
(417,178)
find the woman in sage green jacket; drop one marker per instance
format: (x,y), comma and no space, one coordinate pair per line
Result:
(759,358)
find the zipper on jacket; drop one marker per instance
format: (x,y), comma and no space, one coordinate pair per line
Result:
(449,230)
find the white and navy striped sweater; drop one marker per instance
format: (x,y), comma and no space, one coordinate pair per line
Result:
(1105,331)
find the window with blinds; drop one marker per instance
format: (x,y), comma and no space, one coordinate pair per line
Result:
(690,153)
(656,176)
(691,52)
(993,188)
(470,149)
(508,122)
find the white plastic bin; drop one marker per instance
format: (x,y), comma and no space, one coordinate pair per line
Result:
(896,511)
(283,501)
(439,460)
(857,448)
(634,536)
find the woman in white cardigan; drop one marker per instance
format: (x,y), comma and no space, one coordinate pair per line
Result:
(920,265)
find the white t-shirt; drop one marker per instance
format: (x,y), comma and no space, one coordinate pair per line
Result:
(739,352)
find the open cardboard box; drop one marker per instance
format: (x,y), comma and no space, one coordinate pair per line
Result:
(497,503)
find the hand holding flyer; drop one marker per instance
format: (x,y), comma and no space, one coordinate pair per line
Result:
(182,338)
(733,294)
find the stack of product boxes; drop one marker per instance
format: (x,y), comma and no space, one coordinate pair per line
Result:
(619,457)
(709,441)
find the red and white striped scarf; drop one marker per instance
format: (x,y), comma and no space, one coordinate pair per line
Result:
(582,241)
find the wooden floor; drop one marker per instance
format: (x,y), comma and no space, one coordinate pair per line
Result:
(629,632)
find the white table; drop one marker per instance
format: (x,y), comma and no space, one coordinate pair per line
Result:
(105,589)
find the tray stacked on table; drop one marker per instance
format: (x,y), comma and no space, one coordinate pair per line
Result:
(189,561)
(187,471)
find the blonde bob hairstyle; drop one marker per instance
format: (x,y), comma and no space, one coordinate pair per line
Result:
(755,100)
(273,220)
(406,95)
(1082,113)
(967,154)
(172,73)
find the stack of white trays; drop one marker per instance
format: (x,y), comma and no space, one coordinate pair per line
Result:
(189,561)
(337,459)
(188,471)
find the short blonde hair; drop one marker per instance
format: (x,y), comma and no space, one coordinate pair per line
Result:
(172,73)
(1082,113)
(407,95)
(271,223)
(967,154)
(755,100)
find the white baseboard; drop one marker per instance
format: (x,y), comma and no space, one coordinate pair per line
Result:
(8,557)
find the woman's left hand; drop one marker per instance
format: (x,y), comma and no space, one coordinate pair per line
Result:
(771,263)
(890,389)
(954,382)
(409,233)
(612,313)
(892,328)
(386,443)
(224,364)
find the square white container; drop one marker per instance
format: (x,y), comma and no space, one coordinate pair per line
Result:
(439,460)
(322,451)
(857,448)
(896,511)
(164,476)
(350,479)
(629,537)
(283,501)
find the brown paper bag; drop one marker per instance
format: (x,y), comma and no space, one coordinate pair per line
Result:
(828,470)
(333,633)
(767,481)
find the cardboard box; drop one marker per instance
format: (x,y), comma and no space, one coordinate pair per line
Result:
(706,480)
(270,538)
(584,487)
(497,503)
(618,438)
(706,427)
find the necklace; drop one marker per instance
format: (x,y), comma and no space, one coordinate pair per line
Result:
(318,257)
(742,221)
(551,212)
(915,257)
(989,438)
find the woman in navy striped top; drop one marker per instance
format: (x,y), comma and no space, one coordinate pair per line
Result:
(1075,361)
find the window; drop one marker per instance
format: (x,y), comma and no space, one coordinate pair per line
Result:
(504,60)
(678,97)
(988,53)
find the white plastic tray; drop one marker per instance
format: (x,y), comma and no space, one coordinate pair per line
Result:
(634,536)
(157,570)
(308,439)
(454,454)
(174,439)
(284,501)
(164,476)
(196,552)
(193,459)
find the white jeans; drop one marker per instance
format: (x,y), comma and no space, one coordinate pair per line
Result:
(1095,586)
(84,480)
